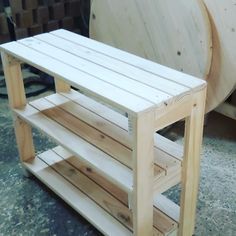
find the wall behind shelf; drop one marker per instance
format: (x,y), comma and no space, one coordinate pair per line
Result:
(32,17)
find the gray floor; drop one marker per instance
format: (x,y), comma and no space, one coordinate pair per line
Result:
(27,207)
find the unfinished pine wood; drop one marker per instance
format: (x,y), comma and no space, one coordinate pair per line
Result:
(191,164)
(61,86)
(24,139)
(170,33)
(119,163)
(105,91)
(130,59)
(17,98)
(91,55)
(102,220)
(14,81)
(99,72)
(84,120)
(51,162)
(143,167)
(102,114)
(48,117)
(162,221)
(106,166)
(221,79)
(167,166)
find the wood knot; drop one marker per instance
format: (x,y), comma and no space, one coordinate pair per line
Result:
(88,169)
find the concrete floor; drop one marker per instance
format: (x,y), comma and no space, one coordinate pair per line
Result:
(28,208)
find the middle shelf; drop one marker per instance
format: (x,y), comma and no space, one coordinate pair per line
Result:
(99,136)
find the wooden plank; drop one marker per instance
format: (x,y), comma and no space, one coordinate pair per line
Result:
(164,183)
(81,109)
(104,91)
(24,139)
(92,133)
(116,79)
(162,221)
(173,112)
(16,97)
(102,220)
(98,108)
(162,143)
(89,187)
(171,148)
(92,174)
(191,164)
(14,81)
(167,206)
(143,167)
(115,65)
(162,71)
(80,128)
(61,86)
(104,164)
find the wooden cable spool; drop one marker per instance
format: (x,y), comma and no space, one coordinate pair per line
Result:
(222,76)
(178,34)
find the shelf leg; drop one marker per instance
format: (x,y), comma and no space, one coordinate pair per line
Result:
(17,99)
(142,131)
(191,165)
(61,86)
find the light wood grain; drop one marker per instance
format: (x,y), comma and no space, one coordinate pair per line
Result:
(221,79)
(113,64)
(105,91)
(106,166)
(102,220)
(61,86)
(14,81)
(130,59)
(170,33)
(17,99)
(143,167)
(162,220)
(99,72)
(191,164)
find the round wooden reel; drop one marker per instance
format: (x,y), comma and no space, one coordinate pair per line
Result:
(222,76)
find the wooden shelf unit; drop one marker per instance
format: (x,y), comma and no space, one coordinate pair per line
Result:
(111,168)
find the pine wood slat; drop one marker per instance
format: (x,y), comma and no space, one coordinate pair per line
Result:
(121,152)
(99,72)
(104,91)
(105,165)
(97,131)
(97,192)
(157,69)
(102,220)
(114,65)
(162,143)
(106,195)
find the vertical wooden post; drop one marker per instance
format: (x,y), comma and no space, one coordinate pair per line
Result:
(61,86)
(191,164)
(17,99)
(142,131)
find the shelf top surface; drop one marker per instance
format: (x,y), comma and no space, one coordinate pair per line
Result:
(123,80)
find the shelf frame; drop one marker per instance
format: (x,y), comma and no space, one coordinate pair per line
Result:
(157,111)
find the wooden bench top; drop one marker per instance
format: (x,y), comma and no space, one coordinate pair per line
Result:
(118,78)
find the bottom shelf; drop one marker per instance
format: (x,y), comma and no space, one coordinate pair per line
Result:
(98,200)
